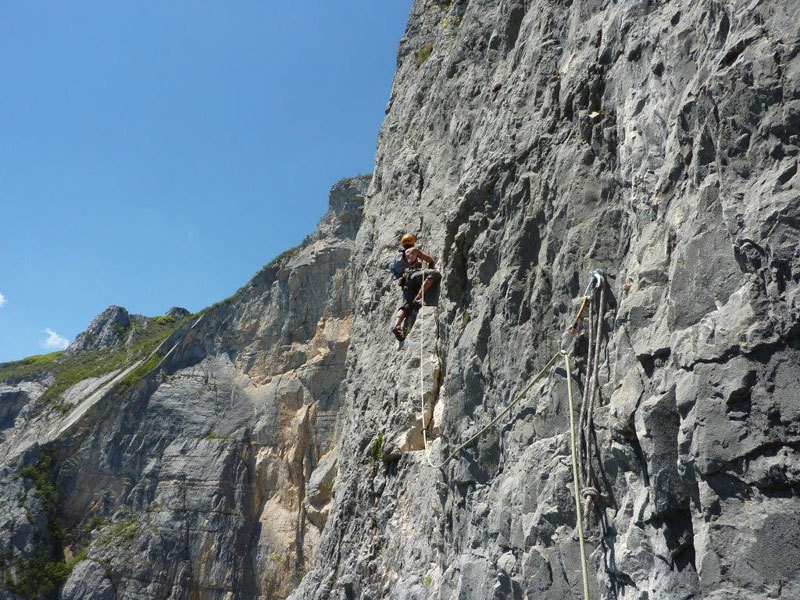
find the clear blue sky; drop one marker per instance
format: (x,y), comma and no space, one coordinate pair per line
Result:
(157,154)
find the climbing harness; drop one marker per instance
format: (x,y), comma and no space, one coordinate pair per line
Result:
(583,475)
(400,268)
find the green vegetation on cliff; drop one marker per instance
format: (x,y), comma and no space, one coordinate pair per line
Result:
(66,369)
(41,575)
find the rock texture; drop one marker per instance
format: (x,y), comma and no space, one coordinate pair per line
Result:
(529,142)
(273,446)
(115,327)
(210,475)
(106,330)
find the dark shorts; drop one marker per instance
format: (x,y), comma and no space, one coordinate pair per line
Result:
(414,283)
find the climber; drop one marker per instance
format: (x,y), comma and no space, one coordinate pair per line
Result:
(408,271)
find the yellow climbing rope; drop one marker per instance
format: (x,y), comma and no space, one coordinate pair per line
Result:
(576,479)
(491,423)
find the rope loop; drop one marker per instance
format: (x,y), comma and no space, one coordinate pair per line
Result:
(590,494)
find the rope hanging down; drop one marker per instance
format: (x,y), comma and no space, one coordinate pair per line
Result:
(491,423)
(590,483)
(576,479)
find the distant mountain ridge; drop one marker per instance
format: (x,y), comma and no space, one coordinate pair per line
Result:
(218,426)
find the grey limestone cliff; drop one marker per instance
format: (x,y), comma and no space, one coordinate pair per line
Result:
(203,467)
(528,142)
(272,446)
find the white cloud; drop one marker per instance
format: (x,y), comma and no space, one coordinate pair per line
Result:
(54,341)
(2,300)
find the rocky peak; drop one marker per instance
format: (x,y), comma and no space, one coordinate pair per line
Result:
(177,312)
(105,331)
(114,326)
(345,207)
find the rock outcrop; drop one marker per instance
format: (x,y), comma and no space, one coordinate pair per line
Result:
(203,469)
(528,143)
(275,444)
(105,331)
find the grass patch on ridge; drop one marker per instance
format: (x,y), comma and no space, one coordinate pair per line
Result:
(68,369)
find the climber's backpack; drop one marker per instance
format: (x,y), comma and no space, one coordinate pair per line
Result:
(398,265)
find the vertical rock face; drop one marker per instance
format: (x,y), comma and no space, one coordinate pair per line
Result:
(274,445)
(203,470)
(528,143)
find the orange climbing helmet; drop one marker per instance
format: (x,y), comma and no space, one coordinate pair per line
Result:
(408,240)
